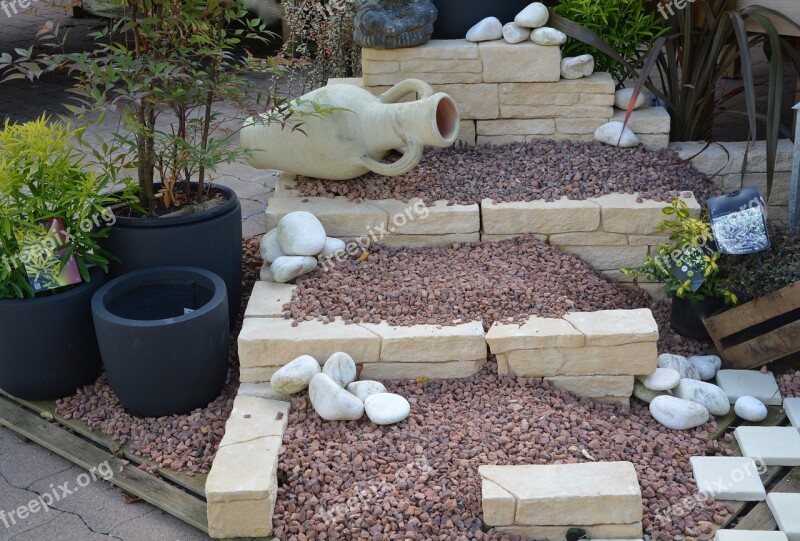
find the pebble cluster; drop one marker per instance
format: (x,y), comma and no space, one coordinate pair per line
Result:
(419,479)
(789,383)
(539,169)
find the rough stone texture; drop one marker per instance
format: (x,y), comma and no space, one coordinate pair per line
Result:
(268,298)
(439,218)
(419,241)
(784,508)
(595,386)
(447,370)
(654,141)
(609,257)
(474,101)
(519,63)
(774,445)
(261,390)
(340,217)
(254,417)
(562,494)
(578,111)
(597,238)
(275,342)
(244,518)
(579,126)
(501,128)
(615,327)
(454,49)
(792,407)
(624,213)
(430,343)
(628,359)
(562,216)
(728,478)
(535,333)
(499,505)
(648,120)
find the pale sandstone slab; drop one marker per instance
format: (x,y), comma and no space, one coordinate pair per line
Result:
(597,99)
(466,132)
(749,535)
(597,83)
(261,390)
(441,66)
(654,141)
(540,99)
(615,327)
(245,471)
(711,159)
(430,343)
(414,218)
(589,238)
(647,240)
(419,241)
(621,400)
(598,531)
(453,369)
(268,298)
(506,139)
(646,120)
(609,257)
(506,236)
(579,125)
(524,62)
(379,67)
(285,186)
(561,216)
(622,213)
(243,518)
(253,418)
(340,217)
(535,333)
(274,342)
(625,360)
(563,494)
(515,127)
(257,374)
(774,445)
(498,504)
(475,101)
(355,81)
(784,506)
(595,386)
(456,49)
(432,78)
(556,111)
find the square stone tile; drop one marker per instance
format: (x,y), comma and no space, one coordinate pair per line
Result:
(784,507)
(738,383)
(728,478)
(749,535)
(792,408)
(774,445)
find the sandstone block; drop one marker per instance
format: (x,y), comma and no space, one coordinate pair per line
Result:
(615,327)
(506,139)
(597,83)
(556,111)
(498,504)
(646,120)
(261,390)
(285,186)
(254,417)
(595,386)
(466,132)
(243,518)
(515,127)
(540,99)
(647,240)
(453,369)
(419,241)
(268,298)
(245,471)
(441,66)
(355,81)
(414,218)
(625,360)
(524,62)
(609,257)
(654,141)
(257,375)
(430,343)
(506,236)
(711,159)
(580,125)
(340,217)
(561,216)
(621,213)
(456,49)
(536,333)
(474,101)
(589,238)
(432,78)
(379,67)
(597,99)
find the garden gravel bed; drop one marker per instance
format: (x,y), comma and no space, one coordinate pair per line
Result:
(184,443)
(539,169)
(508,280)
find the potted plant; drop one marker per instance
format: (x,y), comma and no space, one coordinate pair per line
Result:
(53,216)
(691,269)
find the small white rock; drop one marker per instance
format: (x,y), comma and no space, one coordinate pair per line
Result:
(266,273)
(295,376)
(750,409)
(332,247)
(515,34)
(549,36)
(270,248)
(301,233)
(708,395)
(678,414)
(366,388)
(679,363)
(333,403)
(707,365)
(341,368)
(577,67)
(287,268)
(644,394)
(387,408)
(487,29)
(623,96)
(616,134)
(534,15)
(663,379)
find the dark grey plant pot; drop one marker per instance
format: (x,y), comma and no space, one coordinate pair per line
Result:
(686,317)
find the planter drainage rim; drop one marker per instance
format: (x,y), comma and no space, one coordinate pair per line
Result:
(231,204)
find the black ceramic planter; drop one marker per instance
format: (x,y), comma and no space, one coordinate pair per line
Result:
(686,317)
(47,345)
(457,16)
(163,336)
(210,239)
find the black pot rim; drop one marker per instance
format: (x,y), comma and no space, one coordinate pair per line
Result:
(124,283)
(75,290)
(232,201)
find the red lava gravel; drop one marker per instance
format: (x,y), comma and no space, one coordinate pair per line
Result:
(507,280)
(419,479)
(539,169)
(789,383)
(185,443)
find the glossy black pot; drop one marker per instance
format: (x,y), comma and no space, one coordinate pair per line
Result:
(209,239)
(47,344)
(163,336)
(686,317)
(457,16)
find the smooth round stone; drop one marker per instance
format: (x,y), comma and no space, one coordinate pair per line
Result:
(577,67)
(644,394)
(677,413)
(679,363)
(300,233)
(287,268)
(515,34)
(270,248)
(387,408)
(333,403)
(707,365)
(266,273)
(623,97)
(663,379)
(487,29)
(295,376)
(708,395)
(341,368)
(616,134)
(332,247)
(549,36)
(750,409)
(366,388)
(534,15)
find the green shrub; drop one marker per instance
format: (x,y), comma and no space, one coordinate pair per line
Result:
(755,275)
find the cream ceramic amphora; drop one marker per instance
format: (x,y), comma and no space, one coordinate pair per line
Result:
(348,143)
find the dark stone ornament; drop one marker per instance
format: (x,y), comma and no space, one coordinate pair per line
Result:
(393,24)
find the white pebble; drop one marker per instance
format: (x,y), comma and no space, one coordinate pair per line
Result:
(387,408)
(333,246)
(301,233)
(365,388)
(616,134)
(333,403)
(623,96)
(707,365)
(534,15)
(515,34)
(549,36)
(270,248)
(341,368)
(750,409)
(678,414)
(287,268)
(663,379)
(577,67)
(295,376)
(487,29)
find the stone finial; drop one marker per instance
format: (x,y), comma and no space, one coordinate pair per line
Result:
(393,24)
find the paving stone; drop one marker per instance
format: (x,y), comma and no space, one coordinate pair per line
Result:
(615,327)
(559,533)
(340,217)
(784,508)
(452,369)
(268,298)
(774,445)
(621,213)
(562,494)
(430,343)
(536,333)
(738,383)
(498,504)
(253,418)
(525,62)
(610,388)
(561,216)
(728,478)
(625,360)
(414,218)
(792,408)
(749,535)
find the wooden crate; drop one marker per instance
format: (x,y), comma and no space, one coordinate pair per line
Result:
(760,331)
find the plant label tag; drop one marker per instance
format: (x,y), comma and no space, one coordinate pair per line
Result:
(44,249)
(739,222)
(684,272)
(187,311)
